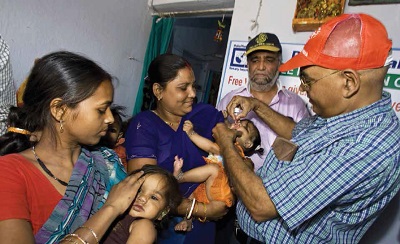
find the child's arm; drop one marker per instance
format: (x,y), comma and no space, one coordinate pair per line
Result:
(200,174)
(142,231)
(202,142)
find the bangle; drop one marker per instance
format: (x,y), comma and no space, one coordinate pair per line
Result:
(191,209)
(180,175)
(77,237)
(91,231)
(205,213)
(69,240)
(191,133)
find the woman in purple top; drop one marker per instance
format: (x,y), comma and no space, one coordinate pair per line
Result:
(156,137)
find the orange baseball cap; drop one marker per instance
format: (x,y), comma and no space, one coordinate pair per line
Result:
(355,41)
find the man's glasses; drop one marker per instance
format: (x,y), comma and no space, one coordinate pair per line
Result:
(306,84)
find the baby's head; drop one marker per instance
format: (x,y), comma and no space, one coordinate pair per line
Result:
(115,132)
(158,194)
(250,140)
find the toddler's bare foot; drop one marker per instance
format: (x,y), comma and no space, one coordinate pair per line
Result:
(184,225)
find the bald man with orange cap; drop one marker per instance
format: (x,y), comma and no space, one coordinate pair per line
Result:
(333,176)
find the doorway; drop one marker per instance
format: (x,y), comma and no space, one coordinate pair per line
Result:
(202,41)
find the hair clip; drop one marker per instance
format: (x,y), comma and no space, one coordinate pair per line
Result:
(18,130)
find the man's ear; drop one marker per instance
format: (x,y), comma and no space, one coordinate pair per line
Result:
(57,109)
(157,90)
(163,214)
(352,83)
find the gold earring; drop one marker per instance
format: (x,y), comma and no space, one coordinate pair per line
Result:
(163,213)
(61,126)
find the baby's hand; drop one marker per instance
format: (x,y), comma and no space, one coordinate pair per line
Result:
(188,127)
(178,163)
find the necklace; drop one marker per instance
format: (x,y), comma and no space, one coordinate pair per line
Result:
(167,122)
(46,169)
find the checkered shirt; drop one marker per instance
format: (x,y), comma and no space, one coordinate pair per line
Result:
(7,89)
(346,170)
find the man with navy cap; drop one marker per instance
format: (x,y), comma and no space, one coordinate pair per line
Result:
(341,168)
(264,56)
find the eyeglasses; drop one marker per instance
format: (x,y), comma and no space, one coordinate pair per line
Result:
(305,84)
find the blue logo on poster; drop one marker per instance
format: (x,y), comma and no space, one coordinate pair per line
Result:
(238,59)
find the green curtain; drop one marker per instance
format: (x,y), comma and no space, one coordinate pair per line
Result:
(160,36)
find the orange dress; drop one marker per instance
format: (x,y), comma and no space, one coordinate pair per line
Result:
(220,189)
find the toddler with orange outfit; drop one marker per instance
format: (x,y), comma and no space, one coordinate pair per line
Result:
(214,181)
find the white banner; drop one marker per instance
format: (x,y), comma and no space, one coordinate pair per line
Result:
(235,72)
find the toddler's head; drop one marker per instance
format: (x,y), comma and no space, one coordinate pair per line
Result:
(250,140)
(158,194)
(115,133)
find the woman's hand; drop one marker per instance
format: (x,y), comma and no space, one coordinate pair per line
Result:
(122,194)
(212,211)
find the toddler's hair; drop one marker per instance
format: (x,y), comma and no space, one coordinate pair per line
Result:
(256,148)
(172,193)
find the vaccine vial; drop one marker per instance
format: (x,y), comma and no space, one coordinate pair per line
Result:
(236,111)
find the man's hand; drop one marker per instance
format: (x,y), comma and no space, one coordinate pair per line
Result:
(246,104)
(249,163)
(222,133)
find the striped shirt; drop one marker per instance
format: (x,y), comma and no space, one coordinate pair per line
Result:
(7,89)
(345,171)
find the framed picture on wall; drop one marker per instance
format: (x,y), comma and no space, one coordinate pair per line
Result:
(311,14)
(365,2)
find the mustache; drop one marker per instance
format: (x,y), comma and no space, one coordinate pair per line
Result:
(268,76)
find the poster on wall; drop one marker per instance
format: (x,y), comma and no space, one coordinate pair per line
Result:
(235,69)
(235,73)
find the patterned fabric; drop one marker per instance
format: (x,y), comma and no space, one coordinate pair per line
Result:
(285,102)
(89,185)
(116,169)
(346,170)
(150,137)
(7,89)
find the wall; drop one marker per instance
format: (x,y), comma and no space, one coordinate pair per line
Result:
(105,31)
(276,17)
